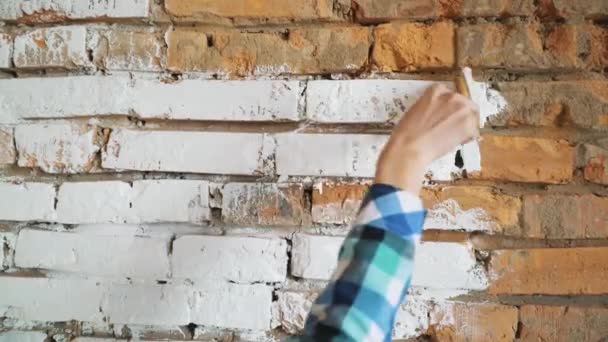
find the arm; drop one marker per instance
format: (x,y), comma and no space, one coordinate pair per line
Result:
(376,261)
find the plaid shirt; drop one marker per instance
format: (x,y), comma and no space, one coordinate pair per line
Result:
(374,270)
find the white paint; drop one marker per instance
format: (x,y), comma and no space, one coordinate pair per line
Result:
(53,300)
(235,259)
(314,257)
(94,202)
(27,202)
(15,9)
(217,100)
(351,155)
(61,46)
(411,319)
(440,265)
(337,212)
(126,50)
(6,50)
(233,306)
(170,201)
(64,97)
(200,152)
(445,265)
(22,336)
(56,148)
(362,100)
(102,255)
(448,215)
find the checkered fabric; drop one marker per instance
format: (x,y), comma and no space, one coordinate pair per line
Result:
(374,270)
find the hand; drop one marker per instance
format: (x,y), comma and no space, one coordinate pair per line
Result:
(436,124)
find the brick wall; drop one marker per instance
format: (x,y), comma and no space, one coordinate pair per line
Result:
(187,169)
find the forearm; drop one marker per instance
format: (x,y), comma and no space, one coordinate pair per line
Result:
(374,270)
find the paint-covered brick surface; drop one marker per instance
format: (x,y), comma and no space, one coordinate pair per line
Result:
(187,170)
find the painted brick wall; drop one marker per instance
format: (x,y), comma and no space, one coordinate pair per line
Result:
(187,170)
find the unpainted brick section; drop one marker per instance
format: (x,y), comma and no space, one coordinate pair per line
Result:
(368,11)
(594,161)
(565,216)
(413,46)
(43,11)
(316,257)
(27,202)
(592,9)
(7,146)
(557,104)
(65,97)
(454,321)
(199,152)
(264,204)
(203,10)
(471,208)
(53,47)
(336,203)
(35,299)
(526,159)
(92,254)
(235,259)
(554,271)
(563,323)
(301,50)
(6,51)
(532,46)
(58,148)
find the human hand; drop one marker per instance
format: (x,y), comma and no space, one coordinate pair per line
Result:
(436,124)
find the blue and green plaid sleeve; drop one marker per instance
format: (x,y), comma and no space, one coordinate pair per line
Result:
(375,265)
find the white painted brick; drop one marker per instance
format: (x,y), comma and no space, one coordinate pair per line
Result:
(236,259)
(313,256)
(411,319)
(57,148)
(217,100)
(27,202)
(53,47)
(170,201)
(149,304)
(64,97)
(57,10)
(350,155)
(94,202)
(103,255)
(42,299)
(6,50)
(7,146)
(116,49)
(362,100)
(234,306)
(439,265)
(22,336)
(200,152)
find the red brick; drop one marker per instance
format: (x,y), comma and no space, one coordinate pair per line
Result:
(264,204)
(7,146)
(311,50)
(336,203)
(384,10)
(205,10)
(499,213)
(562,103)
(525,159)
(413,46)
(563,323)
(473,322)
(593,9)
(552,271)
(565,216)
(594,160)
(532,46)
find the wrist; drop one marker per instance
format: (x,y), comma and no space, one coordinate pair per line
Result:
(404,169)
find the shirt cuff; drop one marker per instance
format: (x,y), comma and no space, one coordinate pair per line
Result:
(392,209)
